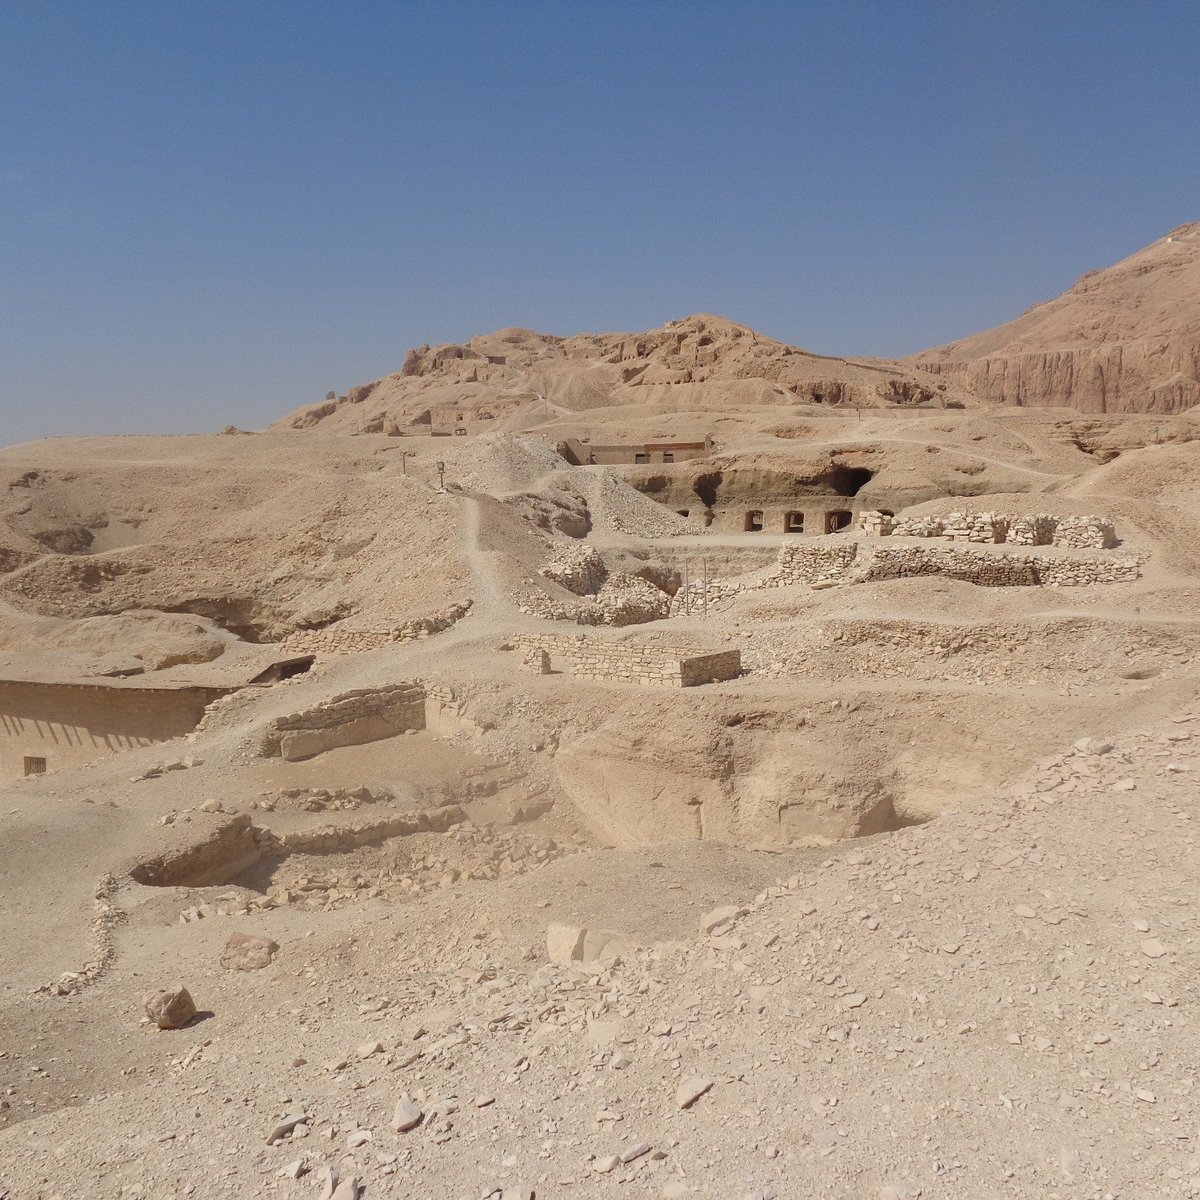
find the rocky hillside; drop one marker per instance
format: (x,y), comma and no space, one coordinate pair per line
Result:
(700,362)
(1124,339)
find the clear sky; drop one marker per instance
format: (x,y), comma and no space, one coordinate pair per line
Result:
(211,212)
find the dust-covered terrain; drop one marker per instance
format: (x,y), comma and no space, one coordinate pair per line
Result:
(716,771)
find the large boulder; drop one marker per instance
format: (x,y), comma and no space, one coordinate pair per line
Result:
(170,1009)
(248,952)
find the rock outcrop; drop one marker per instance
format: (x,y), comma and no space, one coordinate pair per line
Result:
(1123,339)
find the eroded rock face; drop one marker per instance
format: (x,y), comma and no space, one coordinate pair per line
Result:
(1121,340)
(171,1009)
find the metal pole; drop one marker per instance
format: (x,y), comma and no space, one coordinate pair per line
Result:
(687,592)
(705,561)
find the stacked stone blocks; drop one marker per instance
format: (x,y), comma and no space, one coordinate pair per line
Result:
(626,662)
(364,715)
(347,639)
(1023,529)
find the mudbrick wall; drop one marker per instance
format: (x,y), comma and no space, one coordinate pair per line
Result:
(365,715)
(345,638)
(625,662)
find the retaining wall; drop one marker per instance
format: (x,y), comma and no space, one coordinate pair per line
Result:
(998,570)
(349,639)
(365,715)
(67,725)
(626,662)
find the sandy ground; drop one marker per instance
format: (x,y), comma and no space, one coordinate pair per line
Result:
(992,998)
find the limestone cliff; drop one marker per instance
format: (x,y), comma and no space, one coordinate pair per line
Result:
(1124,339)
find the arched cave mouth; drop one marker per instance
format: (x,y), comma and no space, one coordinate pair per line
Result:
(848,481)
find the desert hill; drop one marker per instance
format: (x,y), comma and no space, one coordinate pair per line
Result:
(1123,339)
(703,767)
(700,362)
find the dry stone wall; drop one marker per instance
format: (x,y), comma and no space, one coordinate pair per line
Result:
(349,639)
(627,662)
(1023,529)
(799,563)
(364,715)
(998,570)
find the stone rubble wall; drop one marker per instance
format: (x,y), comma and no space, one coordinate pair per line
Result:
(625,662)
(998,570)
(347,639)
(622,600)
(578,568)
(800,563)
(1023,529)
(364,715)
(825,565)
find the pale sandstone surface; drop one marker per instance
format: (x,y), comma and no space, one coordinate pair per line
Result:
(1123,339)
(503,841)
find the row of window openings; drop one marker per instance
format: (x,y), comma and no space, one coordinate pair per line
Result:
(793,522)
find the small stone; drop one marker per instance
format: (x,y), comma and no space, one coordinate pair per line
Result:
(369,1048)
(348,1189)
(854,1000)
(690,1090)
(635,1152)
(602,1166)
(484,1101)
(359,1137)
(1145,1097)
(407,1115)
(171,1009)
(718,920)
(1153,948)
(284,1126)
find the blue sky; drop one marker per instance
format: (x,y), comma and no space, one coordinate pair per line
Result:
(213,212)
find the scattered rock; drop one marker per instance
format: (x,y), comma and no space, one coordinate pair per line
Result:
(408,1114)
(690,1090)
(171,1009)
(248,952)
(719,920)
(284,1126)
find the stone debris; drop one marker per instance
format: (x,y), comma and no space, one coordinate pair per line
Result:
(690,1090)
(720,920)
(407,1115)
(248,952)
(170,1009)
(284,1126)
